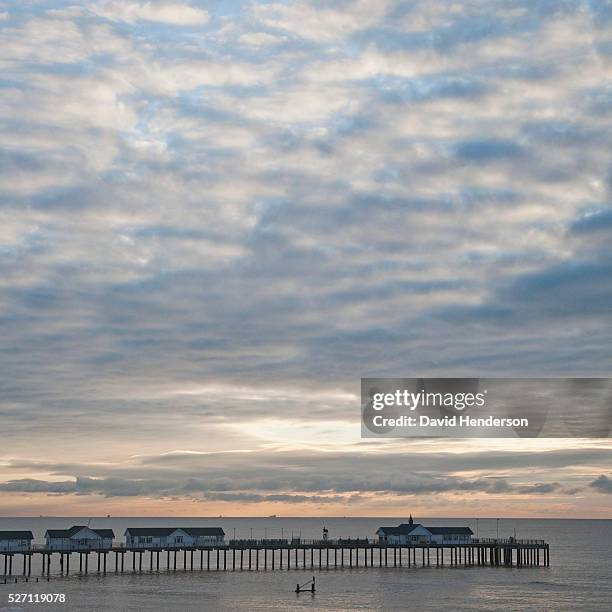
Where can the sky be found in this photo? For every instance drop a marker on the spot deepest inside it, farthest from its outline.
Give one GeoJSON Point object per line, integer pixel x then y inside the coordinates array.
{"type": "Point", "coordinates": [215, 217]}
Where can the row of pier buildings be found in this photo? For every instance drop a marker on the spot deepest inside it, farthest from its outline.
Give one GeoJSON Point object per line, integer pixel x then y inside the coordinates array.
{"type": "Point", "coordinates": [82, 537]}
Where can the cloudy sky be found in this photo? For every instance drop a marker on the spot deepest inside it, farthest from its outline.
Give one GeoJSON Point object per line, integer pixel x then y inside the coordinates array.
{"type": "Point", "coordinates": [216, 216]}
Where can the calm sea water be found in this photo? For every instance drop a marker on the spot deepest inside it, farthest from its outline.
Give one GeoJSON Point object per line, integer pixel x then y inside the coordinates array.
{"type": "Point", "coordinates": [578, 578]}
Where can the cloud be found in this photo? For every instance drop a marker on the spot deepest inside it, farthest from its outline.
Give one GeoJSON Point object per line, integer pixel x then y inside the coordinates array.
{"type": "Point", "coordinates": [593, 221]}
{"type": "Point", "coordinates": [540, 487]}
{"type": "Point", "coordinates": [487, 150]}
{"type": "Point", "coordinates": [328, 22]}
{"type": "Point", "coordinates": [602, 484]}
{"type": "Point", "coordinates": [171, 13]}
{"type": "Point", "coordinates": [245, 492]}
{"type": "Point", "coordinates": [310, 477]}
{"type": "Point", "coordinates": [249, 498]}
{"type": "Point", "coordinates": [259, 39]}
{"type": "Point", "coordinates": [37, 486]}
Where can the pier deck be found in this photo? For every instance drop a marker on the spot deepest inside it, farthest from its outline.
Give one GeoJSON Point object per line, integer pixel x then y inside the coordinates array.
{"type": "Point", "coordinates": [277, 555]}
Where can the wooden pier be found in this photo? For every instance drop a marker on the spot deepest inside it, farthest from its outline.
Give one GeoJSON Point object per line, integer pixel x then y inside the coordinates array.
{"type": "Point", "coordinates": [255, 555]}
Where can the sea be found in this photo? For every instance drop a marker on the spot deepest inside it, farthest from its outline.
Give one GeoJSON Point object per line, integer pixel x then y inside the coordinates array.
{"type": "Point", "coordinates": [579, 576]}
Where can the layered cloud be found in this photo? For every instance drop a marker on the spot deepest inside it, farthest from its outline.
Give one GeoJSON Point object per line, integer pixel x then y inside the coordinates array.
{"type": "Point", "coordinates": [211, 475]}
{"type": "Point", "coordinates": [222, 213]}
{"type": "Point", "coordinates": [170, 13]}
{"type": "Point", "coordinates": [319, 479]}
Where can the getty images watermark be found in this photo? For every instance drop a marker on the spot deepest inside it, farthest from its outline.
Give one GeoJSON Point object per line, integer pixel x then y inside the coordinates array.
{"type": "Point", "coordinates": [486, 407]}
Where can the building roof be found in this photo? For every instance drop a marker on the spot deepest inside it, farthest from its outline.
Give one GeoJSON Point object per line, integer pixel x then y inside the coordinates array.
{"type": "Point", "coordinates": [449, 530]}
{"type": "Point", "coordinates": [16, 535]}
{"type": "Point", "coordinates": [407, 528]}
{"type": "Point", "coordinates": [149, 531]}
{"type": "Point", "coordinates": [64, 533]}
{"type": "Point", "coordinates": [403, 529]}
{"type": "Point", "coordinates": [194, 532]}
{"type": "Point", "coordinates": [203, 531]}
{"type": "Point", "coordinates": [68, 533]}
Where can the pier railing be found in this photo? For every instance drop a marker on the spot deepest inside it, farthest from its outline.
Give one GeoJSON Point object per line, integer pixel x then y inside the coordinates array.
{"type": "Point", "coordinates": [294, 543]}
{"type": "Point", "coordinates": [507, 541]}
{"type": "Point", "coordinates": [302, 542]}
